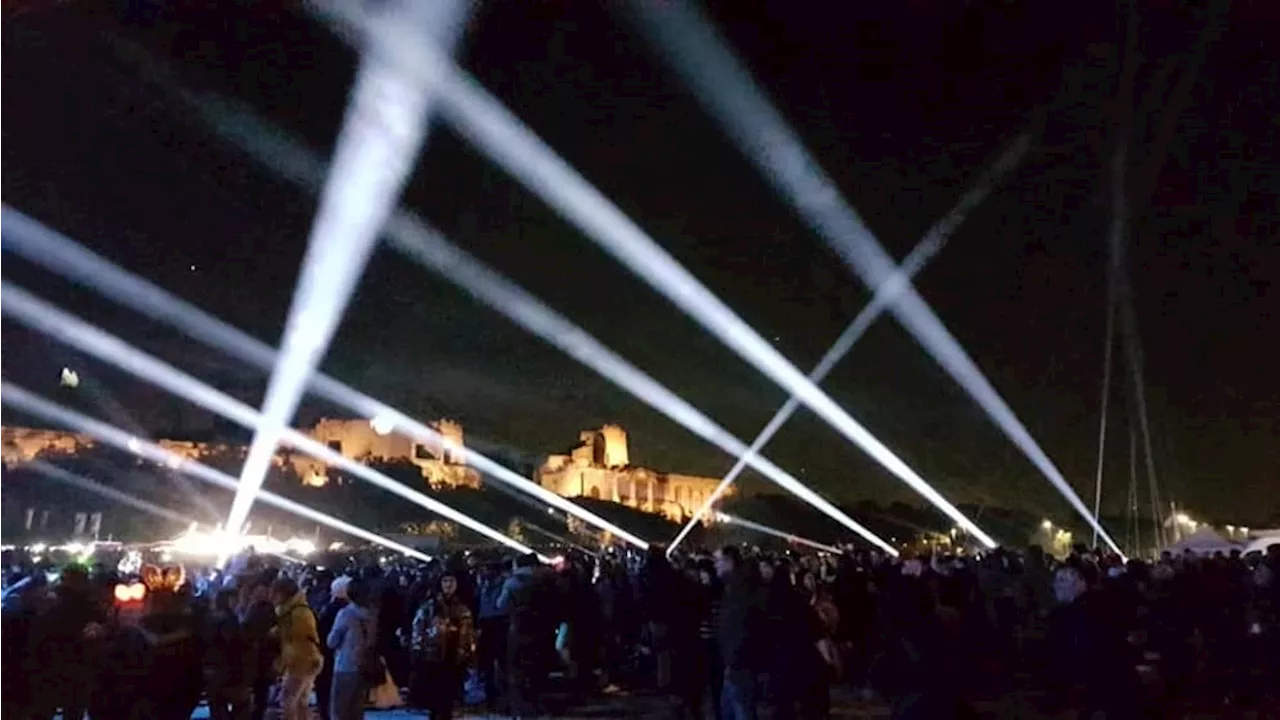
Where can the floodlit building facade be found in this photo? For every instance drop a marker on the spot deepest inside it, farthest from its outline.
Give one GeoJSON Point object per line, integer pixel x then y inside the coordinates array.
{"type": "Point", "coordinates": [598, 467]}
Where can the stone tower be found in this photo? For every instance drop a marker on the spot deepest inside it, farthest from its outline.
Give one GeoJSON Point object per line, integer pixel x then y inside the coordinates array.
{"type": "Point", "coordinates": [452, 450]}
{"type": "Point", "coordinates": [615, 446]}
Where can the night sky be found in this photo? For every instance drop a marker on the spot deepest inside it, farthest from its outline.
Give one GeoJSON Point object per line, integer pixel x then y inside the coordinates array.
{"type": "Point", "coordinates": [903, 103]}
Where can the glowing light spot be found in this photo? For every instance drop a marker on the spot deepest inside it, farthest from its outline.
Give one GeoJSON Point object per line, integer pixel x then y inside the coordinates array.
{"type": "Point", "coordinates": [383, 424]}
{"type": "Point", "coordinates": [130, 593]}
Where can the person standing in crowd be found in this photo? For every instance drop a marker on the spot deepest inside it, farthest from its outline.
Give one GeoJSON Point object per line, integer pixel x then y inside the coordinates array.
{"type": "Point", "coordinates": [65, 644]}
{"type": "Point", "coordinates": [300, 656]}
{"type": "Point", "coordinates": [530, 644]}
{"type": "Point", "coordinates": [660, 598]}
{"type": "Point", "coordinates": [491, 635]}
{"type": "Point", "coordinates": [228, 662]}
{"type": "Point", "coordinates": [328, 616]}
{"type": "Point", "coordinates": [804, 656]}
{"type": "Point", "coordinates": [386, 597]}
{"type": "Point", "coordinates": [353, 641]}
{"type": "Point", "coordinates": [172, 657]}
{"type": "Point", "coordinates": [258, 621]}
{"type": "Point", "coordinates": [442, 648]}
{"type": "Point", "coordinates": [739, 635]}
{"type": "Point", "coordinates": [1091, 665]}
{"type": "Point", "coordinates": [705, 662]}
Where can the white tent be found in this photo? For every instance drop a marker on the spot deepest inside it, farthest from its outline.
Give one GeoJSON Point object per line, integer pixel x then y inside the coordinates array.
{"type": "Point", "coordinates": [1262, 543]}
{"type": "Point", "coordinates": [1204, 541]}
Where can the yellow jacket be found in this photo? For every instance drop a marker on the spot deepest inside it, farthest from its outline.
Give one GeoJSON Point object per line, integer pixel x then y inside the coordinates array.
{"type": "Point", "coordinates": [299, 641]}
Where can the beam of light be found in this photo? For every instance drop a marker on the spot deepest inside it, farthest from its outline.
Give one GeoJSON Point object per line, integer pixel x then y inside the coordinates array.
{"type": "Point", "coordinates": [28, 402]}
{"type": "Point", "coordinates": [766, 530]}
{"type": "Point", "coordinates": [409, 235]}
{"type": "Point", "coordinates": [1133, 350]}
{"type": "Point", "coordinates": [60, 254]}
{"type": "Point", "coordinates": [80, 482]}
{"type": "Point", "coordinates": [924, 251]}
{"type": "Point", "coordinates": [293, 161]}
{"type": "Point", "coordinates": [1115, 242]}
{"type": "Point", "coordinates": [1117, 245]}
{"type": "Point", "coordinates": [43, 317]}
{"type": "Point", "coordinates": [107, 402]}
{"type": "Point", "coordinates": [725, 88]}
{"type": "Point", "coordinates": [384, 129]}
{"type": "Point", "coordinates": [412, 236]}
{"type": "Point", "coordinates": [559, 538]}
{"type": "Point", "coordinates": [476, 115]}
{"type": "Point", "coordinates": [481, 118]}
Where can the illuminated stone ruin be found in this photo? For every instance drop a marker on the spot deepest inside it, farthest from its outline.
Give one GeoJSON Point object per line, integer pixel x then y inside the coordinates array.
{"type": "Point", "coordinates": [599, 467]}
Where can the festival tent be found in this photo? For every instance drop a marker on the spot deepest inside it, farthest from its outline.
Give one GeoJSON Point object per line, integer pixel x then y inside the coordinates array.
{"type": "Point", "coordinates": [1262, 541]}
{"type": "Point", "coordinates": [1204, 541]}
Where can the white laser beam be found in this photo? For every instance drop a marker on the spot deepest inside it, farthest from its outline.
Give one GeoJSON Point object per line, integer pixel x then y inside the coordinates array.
{"type": "Point", "coordinates": [482, 119]}
{"type": "Point", "coordinates": [293, 161]}
{"type": "Point", "coordinates": [430, 248]}
{"type": "Point", "coordinates": [728, 92]}
{"type": "Point", "coordinates": [60, 254]}
{"type": "Point", "coordinates": [766, 530]}
{"type": "Point", "coordinates": [80, 482]}
{"type": "Point", "coordinates": [929, 246]}
{"type": "Point", "coordinates": [382, 134]}
{"type": "Point", "coordinates": [45, 318]}
{"type": "Point", "coordinates": [478, 116]}
{"type": "Point", "coordinates": [27, 401]}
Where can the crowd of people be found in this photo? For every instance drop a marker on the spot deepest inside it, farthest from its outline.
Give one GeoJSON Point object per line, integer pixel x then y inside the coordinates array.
{"type": "Point", "coordinates": [720, 635]}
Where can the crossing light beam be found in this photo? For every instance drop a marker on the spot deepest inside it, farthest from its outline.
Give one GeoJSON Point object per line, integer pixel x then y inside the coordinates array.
{"type": "Point", "coordinates": [726, 89]}
{"type": "Point", "coordinates": [384, 129]}
{"type": "Point", "coordinates": [22, 399]}
{"type": "Point", "coordinates": [60, 254]}
{"type": "Point", "coordinates": [45, 318]}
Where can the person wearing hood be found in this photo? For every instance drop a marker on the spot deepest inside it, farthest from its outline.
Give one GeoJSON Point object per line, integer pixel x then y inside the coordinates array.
{"type": "Point", "coordinates": [300, 656]}
{"type": "Point", "coordinates": [354, 633]}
